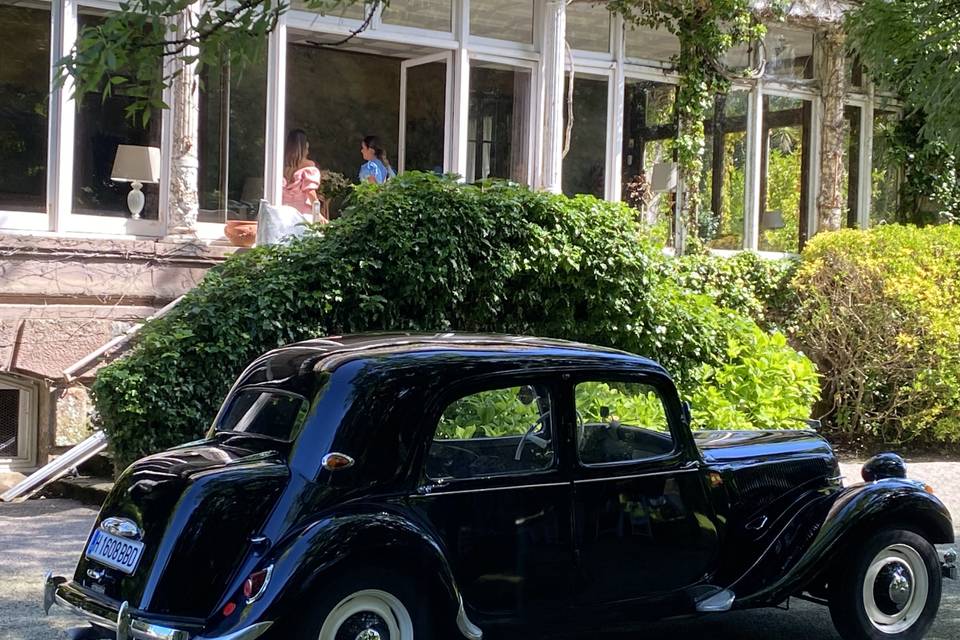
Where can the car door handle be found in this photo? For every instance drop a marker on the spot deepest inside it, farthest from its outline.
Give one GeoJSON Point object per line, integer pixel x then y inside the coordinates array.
{"type": "Point", "coordinates": [757, 523]}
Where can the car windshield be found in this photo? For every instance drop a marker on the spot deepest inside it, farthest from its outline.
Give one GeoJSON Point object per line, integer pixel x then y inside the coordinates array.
{"type": "Point", "coordinates": [266, 412]}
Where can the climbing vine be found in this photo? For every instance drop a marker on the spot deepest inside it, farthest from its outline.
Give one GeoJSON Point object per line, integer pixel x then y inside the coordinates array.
{"type": "Point", "coordinates": [707, 31]}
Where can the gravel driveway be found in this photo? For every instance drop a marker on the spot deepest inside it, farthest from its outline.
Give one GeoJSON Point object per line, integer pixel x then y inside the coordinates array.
{"type": "Point", "coordinates": [42, 535]}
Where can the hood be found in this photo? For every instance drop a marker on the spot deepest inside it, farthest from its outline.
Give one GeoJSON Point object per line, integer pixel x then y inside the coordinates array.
{"type": "Point", "coordinates": [740, 446]}
{"type": "Point", "coordinates": [195, 509]}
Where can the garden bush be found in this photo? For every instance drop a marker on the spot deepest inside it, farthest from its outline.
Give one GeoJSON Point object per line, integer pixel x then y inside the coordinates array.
{"type": "Point", "coordinates": [427, 253]}
{"type": "Point", "coordinates": [878, 316]}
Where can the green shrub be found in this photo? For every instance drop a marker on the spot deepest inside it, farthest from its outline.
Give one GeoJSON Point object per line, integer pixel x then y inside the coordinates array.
{"type": "Point", "coordinates": [428, 253]}
{"type": "Point", "coordinates": [879, 318]}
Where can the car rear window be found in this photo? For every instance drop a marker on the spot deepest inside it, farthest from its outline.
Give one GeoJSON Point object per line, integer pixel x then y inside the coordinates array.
{"type": "Point", "coordinates": [266, 412]}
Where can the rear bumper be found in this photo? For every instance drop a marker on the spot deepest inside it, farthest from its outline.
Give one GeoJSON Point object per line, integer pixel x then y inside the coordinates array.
{"type": "Point", "coordinates": [127, 624]}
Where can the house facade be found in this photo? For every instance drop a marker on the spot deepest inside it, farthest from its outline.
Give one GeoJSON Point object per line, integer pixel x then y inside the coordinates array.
{"type": "Point", "coordinates": [560, 96]}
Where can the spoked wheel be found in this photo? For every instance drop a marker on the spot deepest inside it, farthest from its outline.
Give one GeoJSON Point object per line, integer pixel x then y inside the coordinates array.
{"type": "Point", "coordinates": [370, 614]}
{"type": "Point", "coordinates": [364, 605]}
{"type": "Point", "coordinates": [889, 591]}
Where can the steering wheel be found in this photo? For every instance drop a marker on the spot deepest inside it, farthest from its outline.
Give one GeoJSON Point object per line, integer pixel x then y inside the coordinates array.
{"type": "Point", "coordinates": [528, 435]}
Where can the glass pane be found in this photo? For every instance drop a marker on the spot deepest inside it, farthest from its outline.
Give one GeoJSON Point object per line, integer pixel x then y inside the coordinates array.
{"type": "Point", "coordinates": [340, 97]}
{"type": "Point", "coordinates": [267, 413]}
{"type": "Point", "coordinates": [783, 174]}
{"type": "Point", "coordinates": [854, 71]}
{"type": "Point", "coordinates": [620, 422]}
{"type": "Point", "coordinates": [648, 129]}
{"type": "Point", "coordinates": [426, 114]}
{"type": "Point", "coordinates": [643, 43]}
{"type": "Point", "coordinates": [102, 125]}
{"type": "Point", "coordinates": [425, 14]}
{"type": "Point", "coordinates": [789, 53]}
{"type": "Point", "coordinates": [493, 432]}
{"type": "Point", "coordinates": [497, 135]}
{"type": "Point", "coordinates": [588, 27]}
{"type": "Point", "coordinates": [886, 174]}
{"type": "Point", "coordinates": [584, 167]}
{"type": "Point", "coordinates": [852, 118]}
{"type": "Point", "coordinates": [232, 130]}
{"type": "Point", "coordinates": [24, 86]}
{"type": "Point", "coordinates": [724, 172]}
{"type": "Point", "coordinates": [9, 422]}
{"type": "Point", "coordinates": [355, 11]}
{"type": "Point", "coordinates": [502, 19]}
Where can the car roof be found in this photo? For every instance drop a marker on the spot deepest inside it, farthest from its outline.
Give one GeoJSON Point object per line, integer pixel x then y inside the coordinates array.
{"type": "Point", "coordinates": [330, 353]}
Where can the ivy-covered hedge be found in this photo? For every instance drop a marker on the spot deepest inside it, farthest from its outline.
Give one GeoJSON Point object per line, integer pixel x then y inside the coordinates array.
{"type": "Point", "coordinates": [426, 253]}
{"type": "Point", "coordinates": [879, 317]}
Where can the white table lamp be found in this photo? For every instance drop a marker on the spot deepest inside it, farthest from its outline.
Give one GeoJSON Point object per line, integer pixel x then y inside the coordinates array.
{"type": "Point", "coordinates": [136, 165]}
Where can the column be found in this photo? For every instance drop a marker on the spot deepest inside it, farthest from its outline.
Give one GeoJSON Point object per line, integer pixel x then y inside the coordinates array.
{"type": "Point", "coordinates": [276, 113]}
{"type": "Point", "coordinates": [832, 75]}
{"type": "Point", "coordinates": [753, 180]}
{"type": "Point", "coordinates": [552, 63]}
{"type": "Point", "coordinates": [184, 203]}
{"type": "Point", "coordinates": [63, 111]}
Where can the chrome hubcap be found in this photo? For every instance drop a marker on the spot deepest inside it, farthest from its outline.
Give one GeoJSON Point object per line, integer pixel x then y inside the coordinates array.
{"type": "Point", "coordinates": [895, 589]}
{"type": "Point", "coordinates": [368, 615]}
{"type": "Point", "coordinates": [368, 634]}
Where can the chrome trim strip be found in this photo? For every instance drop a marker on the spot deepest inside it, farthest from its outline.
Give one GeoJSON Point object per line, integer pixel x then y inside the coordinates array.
{"type": "Point", "coordinates": [469, 630]}
{"type": "Point", "coordinates": [122, 527]}
{"type": "Point", "coordinates": [130, 627]}
{"type": "Point", "coordinates": [83, 613]}
{"type": "Point", "coordinates": [638, 475]}
{"type": "Point", "coordinates": [428, 490]}
{"type": "Point", "coordinates": [263, 587]}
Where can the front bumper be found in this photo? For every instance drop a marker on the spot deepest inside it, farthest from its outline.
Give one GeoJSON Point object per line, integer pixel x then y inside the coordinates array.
{"type": "Point", "coordinates": [949, 564]}
{"type": "Point", "coordinates": [126, 624]}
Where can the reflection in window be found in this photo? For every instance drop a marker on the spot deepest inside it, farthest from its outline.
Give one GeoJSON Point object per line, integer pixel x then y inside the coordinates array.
{"type": "Point", "coordinates": [497, 132]}
{"type": "Point", "coordinates": [784, 173]}
{"type": "Point", "coordinates": [102, 125]}
{"type": "Point", "coordinates": [338, 97]}
{"type": "Point", "coordinates": [724, 172]}
{"type": "Point", "coordinates": [849, 185]}
{"type": "Point", "coordinates": [584, 167]}
{"type": "Point", "coordinates": [789, 53]}
{"type": "Point", "coordinates": [424, 14]}
{"type": "Point", "coordinates": [644, 43]}
{"type": "Point", "coordinates": [24, 75]}
{"type": "Point", "coordinates": [648, 129]}
{"type": "Point", "coordinates": [588, 27]}
{"type": "Point", "coordinates": [232, 131]}
{"type": "Point", "coordinates": [620, 422]}
{"type": "Point", "coordinates": [502, 19]}
{"type": "Point", "coordinates": [352, 11]}
{"type": "Point", "coordinates": [425, 117]}
{"type": "Point", "coordinates": [887, 174]}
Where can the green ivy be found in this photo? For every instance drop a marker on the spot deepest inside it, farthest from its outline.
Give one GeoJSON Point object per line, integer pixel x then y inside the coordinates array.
{"type": "Point", "coordinates": [425, 253]}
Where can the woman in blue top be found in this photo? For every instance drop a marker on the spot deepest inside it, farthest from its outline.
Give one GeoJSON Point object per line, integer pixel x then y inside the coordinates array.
{"type": "Point", "coordinates": [377, 168]}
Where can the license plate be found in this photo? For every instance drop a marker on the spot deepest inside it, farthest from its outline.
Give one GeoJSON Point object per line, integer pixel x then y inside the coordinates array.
{"type": "Point", "coordinates": [114, 551]}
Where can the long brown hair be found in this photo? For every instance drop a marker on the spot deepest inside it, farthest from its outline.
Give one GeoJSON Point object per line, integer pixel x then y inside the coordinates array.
{"type": "Point", "coordinates": [294, 152]}
{"type": "Point", "coordinates": [373, 142]}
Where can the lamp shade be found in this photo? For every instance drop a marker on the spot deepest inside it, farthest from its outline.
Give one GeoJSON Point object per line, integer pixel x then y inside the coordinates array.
{"type": "Point", "coordinates": [663, 177]}
{"type": "Point", "coordinates": [136, 164]}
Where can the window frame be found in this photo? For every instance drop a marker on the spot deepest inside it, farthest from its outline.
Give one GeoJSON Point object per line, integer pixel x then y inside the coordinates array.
{"type": "Point", "coordinates": [26, 457]}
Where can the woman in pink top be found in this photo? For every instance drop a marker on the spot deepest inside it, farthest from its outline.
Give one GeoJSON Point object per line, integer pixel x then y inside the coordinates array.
{"type": "Point", "coordinates": [301, 177]}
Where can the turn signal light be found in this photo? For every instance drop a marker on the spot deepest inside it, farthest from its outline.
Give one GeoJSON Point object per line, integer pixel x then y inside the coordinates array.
{"type": "Point", "coordinates": [928, 488]}
{"type": "Point", "coordinates": [337, 461]}
{"type": "Point", "coordinates": [255, 584]}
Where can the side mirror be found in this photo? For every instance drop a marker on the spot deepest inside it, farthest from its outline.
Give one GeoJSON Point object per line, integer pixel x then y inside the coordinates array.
{"type": "Point", "coordinates": [604, 412]}
{"type": "Point", "coordinates": [526, 395]}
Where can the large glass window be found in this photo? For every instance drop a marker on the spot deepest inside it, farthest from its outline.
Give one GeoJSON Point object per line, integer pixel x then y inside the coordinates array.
{"type": "Point", "coordinates": [620, 422]}
{"type": "Point", "coordinates": [103, 125]}
{"type": "Point", "coordinates": [502, 19]}
{"type": "Point", "coordinates": [494, 432]}
{"type": "Point", "coordinates": [497, 133]}
{"type": "Point", "coordinates": [852, 124]}
{"type": "Point", "coordinates": [648, 128]}
{"type": "Point", "coordinates": [644, 43]}
{"type": "Point", "coordinates": [784, 173]}
{"type": "Point", "coordinates": [887, 174]}
{"type": "Point", "coordinates": [424, 133]}
{"type": "Point", "coordinates": [789, 53]}
{"type": "Point", "coordinates": [425, 14]}
{"type": "Point", "coordinates": [585, 165]}
{"type": "Point", "coordinates": [588, 27]}
{"type": "Point", "coordinates": [232, 132]}
{"type": "Point", "coordinates": [723, 180]}
{"type": "Point", "coordinates": [24, 87]}
{"type": "Point", "coordinates": [338, 97]}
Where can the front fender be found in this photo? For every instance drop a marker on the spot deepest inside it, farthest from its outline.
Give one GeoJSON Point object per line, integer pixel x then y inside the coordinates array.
{"type": "Point", "coordinates": [304, 562]}
{"type": "Point", "coordinates": [817, 534]}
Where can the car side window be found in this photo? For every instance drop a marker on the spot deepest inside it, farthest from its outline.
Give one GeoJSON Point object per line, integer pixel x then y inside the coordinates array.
{"type": "Point", "coordinates": [620, 422]}
{"type": "Point", "coordinates": [493, 432]}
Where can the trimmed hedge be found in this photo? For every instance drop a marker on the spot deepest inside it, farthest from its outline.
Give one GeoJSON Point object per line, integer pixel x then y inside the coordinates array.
{"type": "Point", "coordinates": [427, 253]}
{"type": "Point", "coordinates": [878, 316]}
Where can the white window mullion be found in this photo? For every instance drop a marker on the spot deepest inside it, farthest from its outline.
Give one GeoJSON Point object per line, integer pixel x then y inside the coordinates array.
{"type": "Point", "coordinates": [276, 108]}
{"type": "Point", "coordinates": [865, 195]}
{"type": "Point", "coordinates": [615, 115]}
{"type": "Point", "coordinates": [755, 142]}
{"type": "Point", "coordinates": [62, 117]}
{"type": "Point", "coordinates": [461, 92]}
{"type": "Point", "coordinates": [813, 188]}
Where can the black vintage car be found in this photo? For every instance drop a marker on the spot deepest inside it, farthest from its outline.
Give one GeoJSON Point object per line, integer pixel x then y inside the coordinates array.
{"type": "Point", "coordinates": [403, 486]}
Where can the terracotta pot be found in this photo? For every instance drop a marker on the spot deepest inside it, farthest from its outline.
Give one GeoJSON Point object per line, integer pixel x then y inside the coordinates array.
{"type": "Point", "coordinates": [241, 233]}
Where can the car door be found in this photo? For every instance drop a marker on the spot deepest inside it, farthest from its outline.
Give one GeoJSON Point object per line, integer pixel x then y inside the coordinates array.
{"type": "Point", "coordinates": [644, 529]}
{"type": "Point", "coordinates": [495, 491]}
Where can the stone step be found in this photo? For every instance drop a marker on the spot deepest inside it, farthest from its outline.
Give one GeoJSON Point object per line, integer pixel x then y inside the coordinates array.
{"type": "Point", "coordinates": [91, 490]}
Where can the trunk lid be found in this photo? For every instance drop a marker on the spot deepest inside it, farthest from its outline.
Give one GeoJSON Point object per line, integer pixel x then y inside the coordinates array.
{"type": "Point", "coordinates": [195, 509]}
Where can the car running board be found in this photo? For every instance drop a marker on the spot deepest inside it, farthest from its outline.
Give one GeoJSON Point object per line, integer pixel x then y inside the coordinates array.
{"type": "Point", "coordinates": [720, 600]}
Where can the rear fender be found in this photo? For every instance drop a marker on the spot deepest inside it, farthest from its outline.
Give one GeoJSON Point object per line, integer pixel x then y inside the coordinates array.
{"type": "Point", "coordinates": [817, 535]}
{"type": "Point", "coordinates": [325, 549]}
